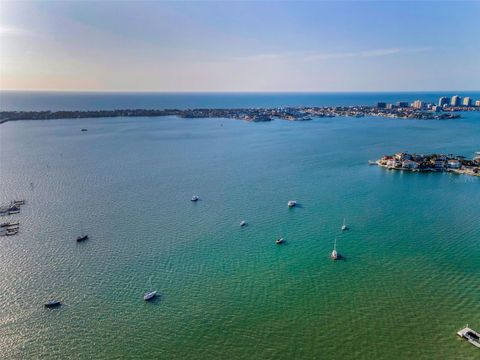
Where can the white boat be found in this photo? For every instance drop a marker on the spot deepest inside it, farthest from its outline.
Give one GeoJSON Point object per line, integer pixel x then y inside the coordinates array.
{"type": "Point", "coordinates": [334, 254]}
{"type": "Point", "coordinates": [279, 241]}
{"type": "Point", "coordinates": [194, 198]}
{"type": "Point", "coordinates": [472, 336]}
{"type": "Point", "coordinates": [344, 226]}
{"type": "Point", "coordinates": [291, 203]}
{"type": "Point", "coordinates": [243, 223]}
{"type": "Point", "coordinates": [149, 295]}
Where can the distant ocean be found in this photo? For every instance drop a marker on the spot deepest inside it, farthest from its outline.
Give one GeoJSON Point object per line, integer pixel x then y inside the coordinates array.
{"type": "Point", "coordinates": [15, 100]}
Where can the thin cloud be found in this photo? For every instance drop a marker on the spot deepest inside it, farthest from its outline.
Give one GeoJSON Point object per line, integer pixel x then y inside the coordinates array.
{"type": "Point", "coordinates": [317, 56]}
{"type": "Point", "coordinates": [12, 31]}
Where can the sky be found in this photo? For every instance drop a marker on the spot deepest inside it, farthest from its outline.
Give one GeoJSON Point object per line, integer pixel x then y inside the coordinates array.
{"type": "Point", "coordinates": [240, 45]}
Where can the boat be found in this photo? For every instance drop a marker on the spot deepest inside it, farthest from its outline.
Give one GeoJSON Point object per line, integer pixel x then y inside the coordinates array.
{"type": "Point", "coordinates": [18, 202]}
{"type": "Point", "coordinates": [52, 304]}
{"type": "Point", "coordinates": [84, 129]}
{"type": "Point", "coordinates": [334, 254]}
{"type": "Point", "coordinates": [243, 223]}
{"type": "Point", "coordinates": [194, 198]}
{"type": "Point", "coordinates": [472, 336]}
{"type": "Point", "coordinates": [149, 295]}
{"type": "Point", "coordinates": [371, 162]}
{"type": "Point", "coordinates": [291, 203]}
{"type": "Point", "coordinates": [9, 224]}
{"type": "Point", "coordinates": [279, 241]}
{"type": "Point", "coordinates": [82, 237]}
{"type": "Point", "coordinates": [344, 226]}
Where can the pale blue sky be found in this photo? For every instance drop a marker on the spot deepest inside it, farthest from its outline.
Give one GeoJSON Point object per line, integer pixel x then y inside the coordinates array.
{"type": "Point", "coordinates": [240, 46]}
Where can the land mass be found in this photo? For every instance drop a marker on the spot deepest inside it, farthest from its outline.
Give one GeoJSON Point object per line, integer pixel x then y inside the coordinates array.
{"type": "Point", "coordinates": [431, 162]}
{"type": "Point", "coordinates": [247, 114]}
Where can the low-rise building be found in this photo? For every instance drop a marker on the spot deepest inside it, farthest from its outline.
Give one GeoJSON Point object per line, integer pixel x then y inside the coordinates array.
{"type": "Point", "coordinates": [454, 164]}
{"type": "Point", "coordinates": [409, 164]}
{"type": "Point", "coordinates": [439, 164]}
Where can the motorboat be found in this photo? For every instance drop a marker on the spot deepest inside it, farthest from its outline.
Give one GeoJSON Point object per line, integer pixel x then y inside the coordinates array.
{"type": "Point", "coordinates": [53, 304]}
{"type": "Point", "coordinates": [82, 238]}
{"type": "Point", "coordinates": [243, 223]}
{"type": "Point", "coordinates": [279, 241]}
{"type": "Point", "coordinates": [291, 203]}
{"type": "Point", "coordinates": [344, 226]}
{"type": "Point", "coordinates": [194, 198]}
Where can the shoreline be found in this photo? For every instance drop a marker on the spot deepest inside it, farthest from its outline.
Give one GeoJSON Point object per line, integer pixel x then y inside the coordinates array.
{"type": "Point", "coordinates": [430, 163]}
{"type": "Point", "coordinates": [247, 114]}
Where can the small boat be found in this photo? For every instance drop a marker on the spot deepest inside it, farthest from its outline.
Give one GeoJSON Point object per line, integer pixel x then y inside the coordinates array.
{"type": "Point", "coordinates": [149, 295]}
{"type": "Point", "coordinates": [194, 198]}
{"type": "Point", "coordinates": [53, 304]}
{"type": "Point", "coordinates": [82, 238]}
{"type": "Point", "coordinates": [334, 254]}
{"type": "Point", "coordinates": [243, 223]}
{"type": "Point", "coordinates": [84, 129]}
{"type": "Point", "coordinates": [472, 336]}
{"type": "Point", "coordinates": [344, 226]}
{"type": "Point", "coordinates": [291, 203]}
{"type": "Point", "coordinates": [18, 202]}
{"type": "Point", "coordinates": [279, 241]}
{"type": "Point", "coordinates": [9, 224]}
{"type": "Point", "coordinates": [371, 162]}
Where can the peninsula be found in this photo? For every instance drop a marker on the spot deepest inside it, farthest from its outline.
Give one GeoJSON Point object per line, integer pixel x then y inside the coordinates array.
{"type": "Point", "coordinates": [255, 115]}
{"type": "Point", "coordinates": [445, 109]}
{"type": "Point", "coordinates": [431, 162]}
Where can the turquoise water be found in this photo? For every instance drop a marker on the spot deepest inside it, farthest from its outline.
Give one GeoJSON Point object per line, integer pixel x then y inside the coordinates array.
{"type": "Point", "coordinates": [409, 281]}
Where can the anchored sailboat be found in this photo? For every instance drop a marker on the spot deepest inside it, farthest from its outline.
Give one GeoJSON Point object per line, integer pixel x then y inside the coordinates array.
{"type": "Point", "coordinates": [334, 254]}
{"type": "Point", "coordinates": [149, 295]}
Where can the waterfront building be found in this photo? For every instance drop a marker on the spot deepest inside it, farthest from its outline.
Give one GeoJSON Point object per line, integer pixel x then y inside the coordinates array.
{"type": "Point", "coordinates": [402, 104]}
{"type": "Point", "coordinates": [455, 100]}
{"type": "Point", "coordinates": [381, 105]}
{"type": "Point", "coordinates": [436, 108]}
{"type": "Point", "coordinates": [467, 101]}
{"type": "Point", "coordinates": [439, 164]}
{"type": "Point", "coordinates": [390, 106]}
{"type": "Point", "coordinates": [477, 103]}
{"type": "Point", "coordinates": [443, 101]}
{"type": "Point", "coordinates": [409, 164]}
{"type": "Point", "coordinates": [417, 104]}
{"type": "Point", "coordinates": [454, 164]}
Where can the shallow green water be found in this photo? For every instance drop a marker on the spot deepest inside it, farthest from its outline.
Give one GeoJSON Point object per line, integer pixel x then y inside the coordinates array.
{"type": "Point", "coordinates": [409, 280]}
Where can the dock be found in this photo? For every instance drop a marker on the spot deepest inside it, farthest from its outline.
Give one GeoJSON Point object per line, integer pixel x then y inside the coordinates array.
{"type": "Point", "coordinates": [470, 335]}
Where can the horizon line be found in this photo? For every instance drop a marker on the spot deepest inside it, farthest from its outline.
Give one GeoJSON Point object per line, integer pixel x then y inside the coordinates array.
{"type": "Point", "coordinates": [231, 92]}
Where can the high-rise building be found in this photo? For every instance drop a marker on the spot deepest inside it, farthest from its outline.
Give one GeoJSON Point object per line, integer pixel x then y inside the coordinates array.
{"type": "Point", "coordinates": [455, 100]}
{"type": "Point", "coordinates": [477, 103]}
{"type": "Point", "coordinates": [443, 101]}
{"type": "Point", "coordinates": [417, 104]}
{"type": "Point", "coordinates": [381, 105]}
{"type": "Point", "coordinates": [402, 104]}
{"type": "Point", "coordinates": [467, 101]}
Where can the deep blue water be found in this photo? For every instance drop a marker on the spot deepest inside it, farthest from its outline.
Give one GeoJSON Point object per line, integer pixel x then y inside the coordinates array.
{"type": "Point", "coordinates": [14, 100]}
